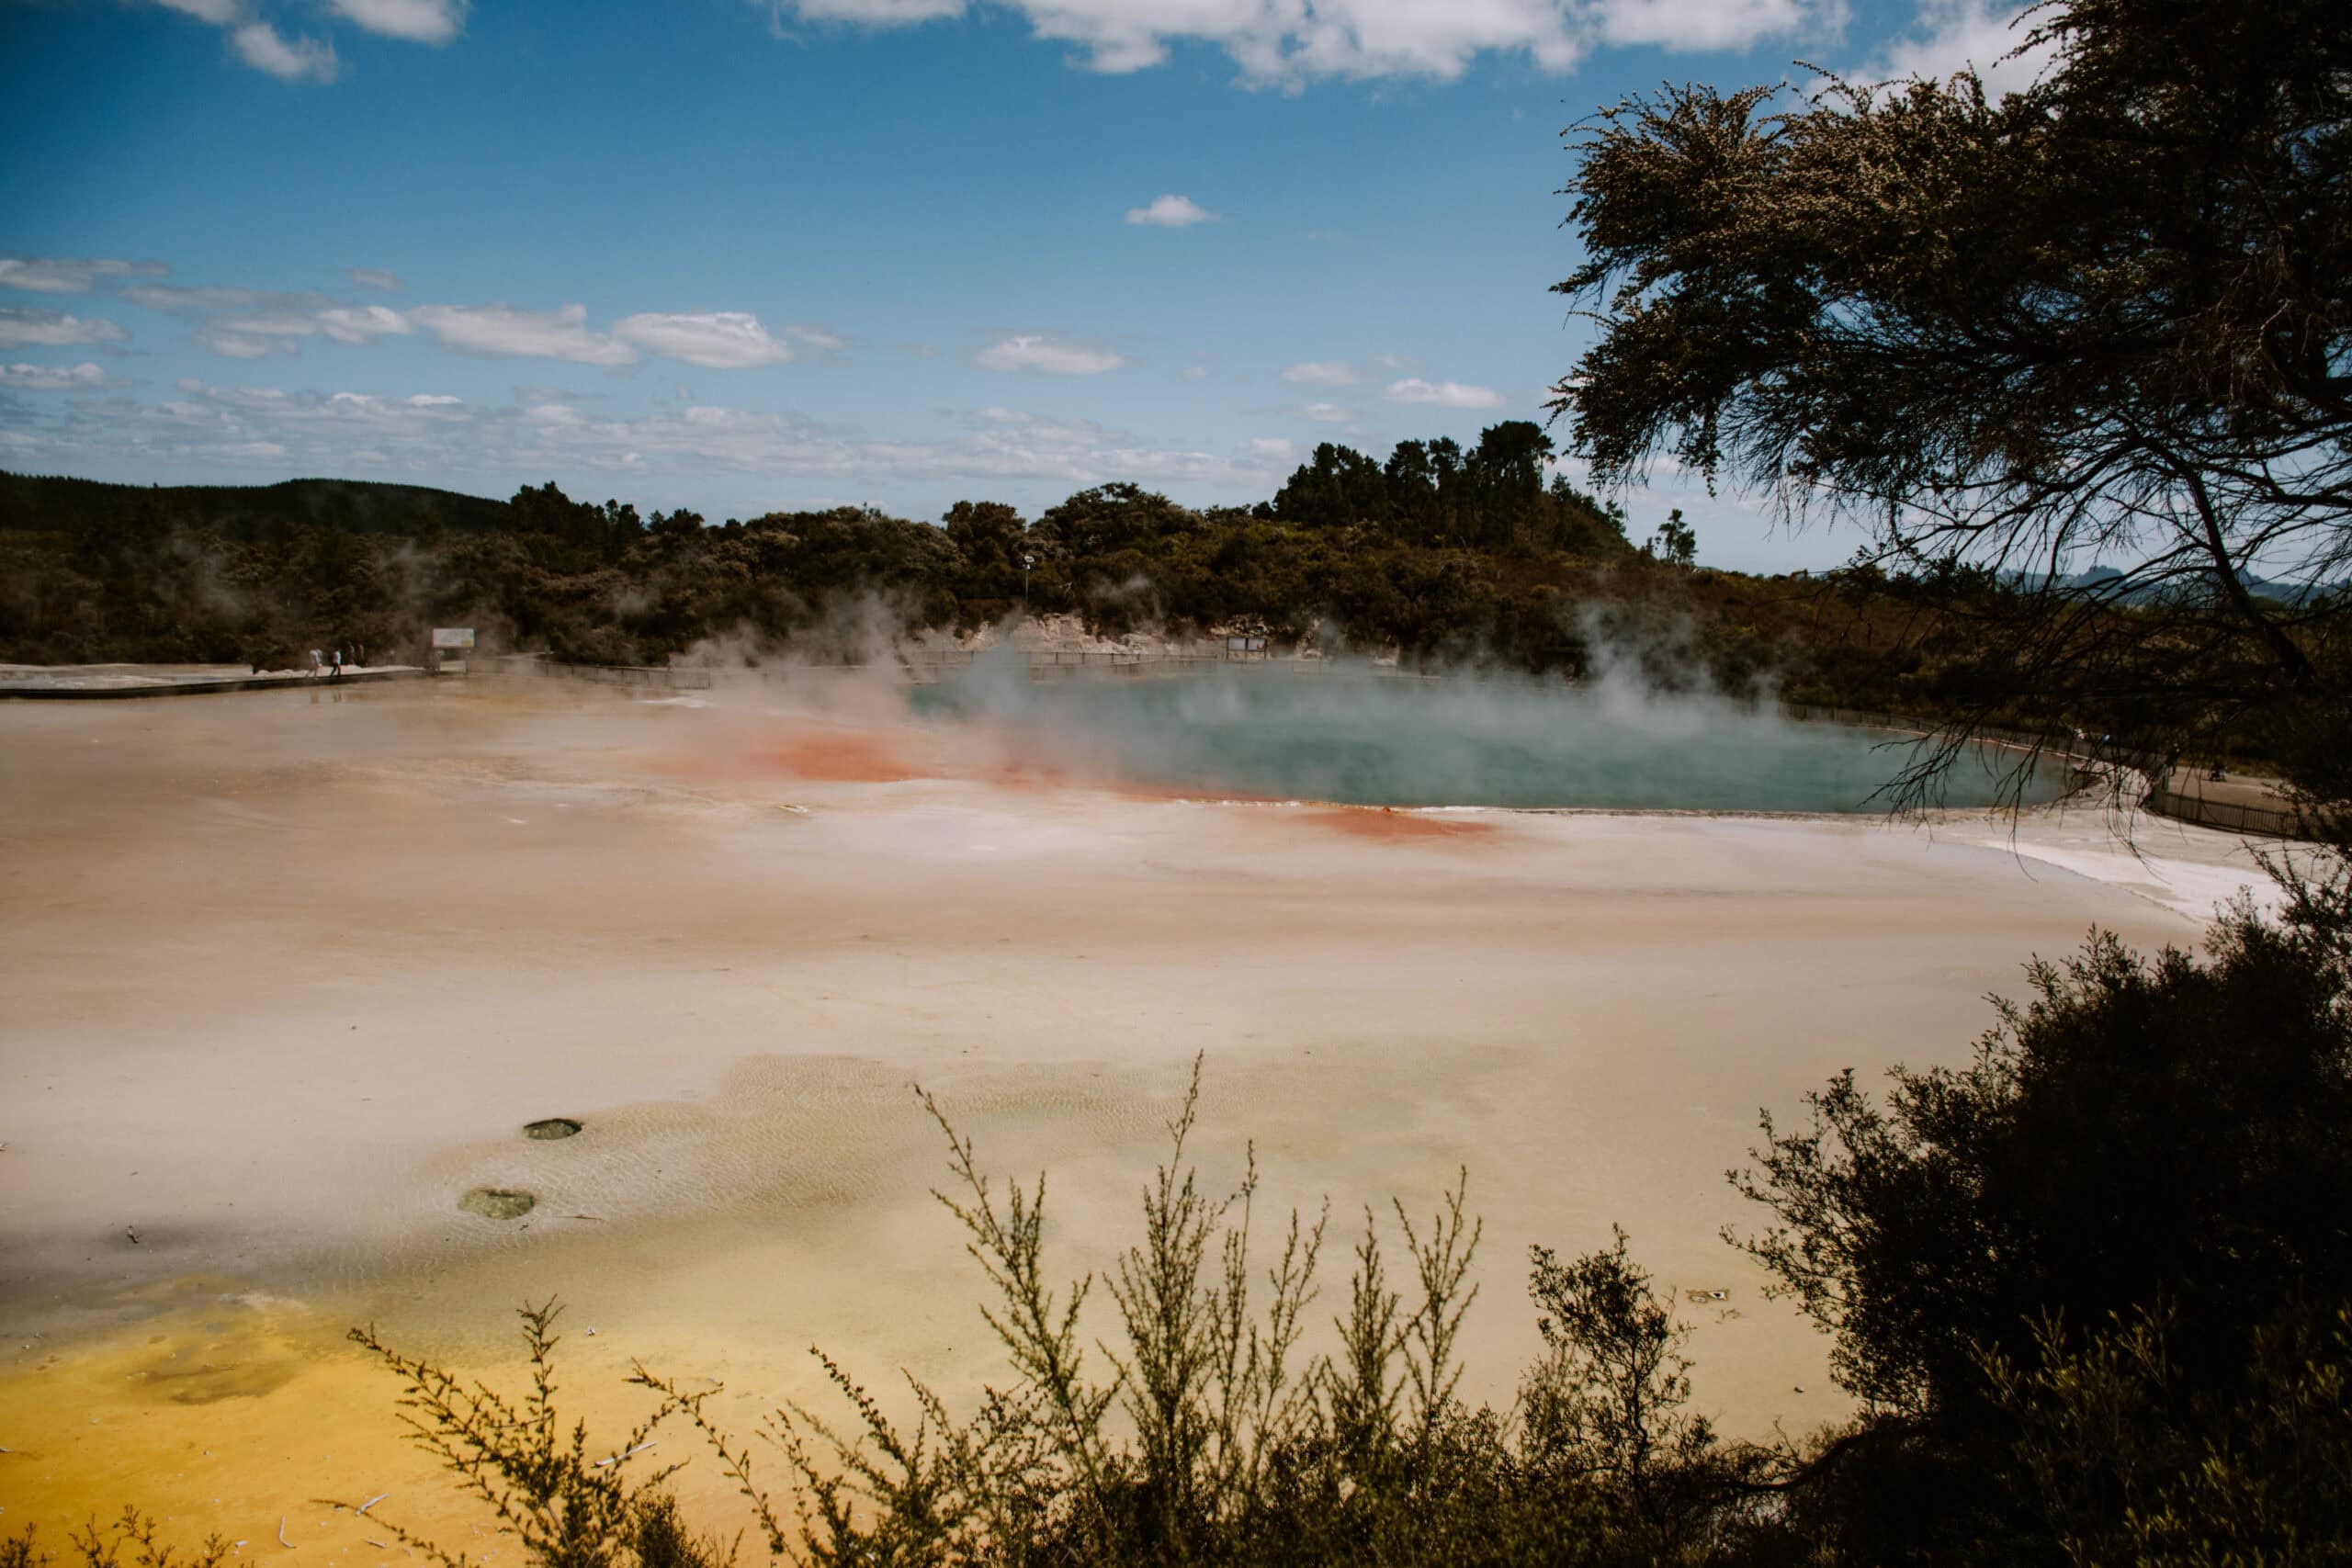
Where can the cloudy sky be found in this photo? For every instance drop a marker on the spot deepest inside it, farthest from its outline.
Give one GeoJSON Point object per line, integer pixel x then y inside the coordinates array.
{"type": "Point", "coordinates": [743, 254]}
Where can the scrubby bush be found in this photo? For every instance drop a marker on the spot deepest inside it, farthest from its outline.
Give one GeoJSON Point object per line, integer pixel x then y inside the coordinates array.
{"type": "Point", "coordinates": [2147, 1153]}
{"type": "Point", "coordinates": [130, 1541]}
{"type": "Point", "coordinates": [1199, 1431]}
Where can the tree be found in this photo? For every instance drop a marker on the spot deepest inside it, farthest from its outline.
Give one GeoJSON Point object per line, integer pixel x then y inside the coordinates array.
{"type": "Point", "coordinates": [681, 526]}
{"type": "Point", "coordinates": [1676, 543]}
{"type": "Point", "coordinates": [2118, 1462]}
{"type": "Point", "coordinates": [1108, 519]}
{"type": "Point", "coordinates": [2141, 1140]}
{"type": "Point", "coordinates": [985, 529]}
{"type": "Point", "coordinates": [623, 528]}
{"type": "Point", "coordinates": [2107, 317]}
{"type": "Point", "coordinates": [1449, 476]}
{"type": "Point", "coordinates": [1509, 469]}
{"type": "Point", "coordinates": [2139, 1131]}
{"type": "Point", "coordinates": [1612, 1388]}
{"type": "Point", "coordinates": [1412, 491]}
{"type": "Point", "coordinates": [1337, 487]}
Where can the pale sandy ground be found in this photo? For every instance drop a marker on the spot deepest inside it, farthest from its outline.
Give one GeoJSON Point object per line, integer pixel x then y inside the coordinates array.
{"type": "Point", "coordinates": [282, 975]}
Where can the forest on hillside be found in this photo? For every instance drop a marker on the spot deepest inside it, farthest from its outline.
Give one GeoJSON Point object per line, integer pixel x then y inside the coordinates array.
{"type": "Point", "coordinates": [1441, 554]}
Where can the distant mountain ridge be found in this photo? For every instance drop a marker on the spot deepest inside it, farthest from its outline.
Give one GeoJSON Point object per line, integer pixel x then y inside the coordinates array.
{"type": "Point", "coordinates": [38, 503]}
{"type": "Point", "coordinates": [2092, 577]}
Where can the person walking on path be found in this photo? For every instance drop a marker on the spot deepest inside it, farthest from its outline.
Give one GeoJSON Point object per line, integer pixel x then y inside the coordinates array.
{"type": "Point", "coordinates": [317, 663]}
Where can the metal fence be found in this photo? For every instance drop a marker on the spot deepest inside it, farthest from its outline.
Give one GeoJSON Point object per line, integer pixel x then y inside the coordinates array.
{"type": "Point", "coordinates": [654, 675]}
{"type": "Point", "coordinates": [2280, 821]}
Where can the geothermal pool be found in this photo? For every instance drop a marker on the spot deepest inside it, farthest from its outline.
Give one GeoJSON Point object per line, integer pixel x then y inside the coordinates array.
{"type": "Point", "coordinates": [1358, 738]}
{"type": "Point", "coordinates": [287, 979]}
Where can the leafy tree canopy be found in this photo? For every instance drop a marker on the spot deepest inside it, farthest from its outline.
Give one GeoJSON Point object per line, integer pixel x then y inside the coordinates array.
{"type": "Point", "coordinates": [2144, 1148]}
{"type": "Point", "coordinates": [1493, 497]}
{"type": "Point", "coordinates": [2108, 318]}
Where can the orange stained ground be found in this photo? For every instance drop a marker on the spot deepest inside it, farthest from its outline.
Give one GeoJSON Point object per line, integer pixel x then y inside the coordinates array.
{"type": "Point", "coordinates": [1383, 824]}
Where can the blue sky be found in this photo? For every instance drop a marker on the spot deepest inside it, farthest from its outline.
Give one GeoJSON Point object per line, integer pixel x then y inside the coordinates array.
{"type": "Point", "coordinates": [747, 254]}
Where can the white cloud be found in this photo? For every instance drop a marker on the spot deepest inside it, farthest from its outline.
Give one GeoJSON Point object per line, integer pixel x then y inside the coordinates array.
{"type": "Point", "coordinates": [52, 378]}
{"type": "Point", "coordinates": [362, 323]}
{"type": "Point", "coordinates": [20, 329]}
{"type": "Point", "coordinates": [1444, 394]}
{"type": "Point", "coordinates": [241, 452]}
{"type": "Point", "coordinates": [245, 323]}
{"type": "Point", "coordinates": [1340, 419]}
{"type": "Point", "coordinates": [1194, 373]}
{"type": "Point", "coordinates": [259, 44]}
{"type": "Point", "coordinates": [721, 340]}
{"type": "Point", "coordinates": [816, 335]}
{"type": "Point", "coordinates": [419, 21]}
{"type": "Point", "coordinates": [61, 274]}
{"type": "Point", "coordinates": [1949, 35]}
{"type": "Point", "coordinates": [1037, 430]}
{"type": "Point", "coordinates": [541, 334]}
{"type": "Point", "coordinates": [1397, 362]}
{"type": "Point", "coordinates": [308, 421]}
{"type": "Point", "coordinates": [237, 345]}
{"type": "Point", "coordinates": [434, 436]}
{"type": "Point", "coordinates": [1048, 354]}
{"type": "Point", "coordinates": [262, 47]}
{"type": "Point", "coordinates": [219, 13]}
{"type": "Point", "coordinates": [1321, 373]}
{"type": "Point", "coordinates": [1269, 449]}
{"type": "Point", "coordinates": [1287, 41]}
{"type": "Point", "coordinates": [178, 296]}
{"type": "Point", "coordinates": [250, 335]}
{"type": "Point", "coordinates": [1693, 25]}
{"type": "Point", "coordinates": [1171, 212]}
{"type": "Point", "coordinates": [376, 278]}
{"type": "Point", "coordinates": [871, 13]}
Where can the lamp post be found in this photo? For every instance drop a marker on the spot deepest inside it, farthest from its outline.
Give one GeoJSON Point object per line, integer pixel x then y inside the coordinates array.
{"type": "Point", "coordinates": [1026, 562]}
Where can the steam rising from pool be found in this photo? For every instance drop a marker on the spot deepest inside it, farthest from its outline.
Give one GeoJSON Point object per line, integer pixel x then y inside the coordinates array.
{"type": "Point", "coordinates": [1352, 736]}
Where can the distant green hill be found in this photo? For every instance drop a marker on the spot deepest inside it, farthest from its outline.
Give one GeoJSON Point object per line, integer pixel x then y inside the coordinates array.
{"type": "Point", "coordinates": [2154, 592]}
{"type": "Point", "coordinates": [50, 505]}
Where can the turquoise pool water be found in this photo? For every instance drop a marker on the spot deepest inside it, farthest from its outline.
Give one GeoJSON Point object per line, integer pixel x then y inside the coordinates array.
{"type": "Point", "coordinates": [1365, 739]}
